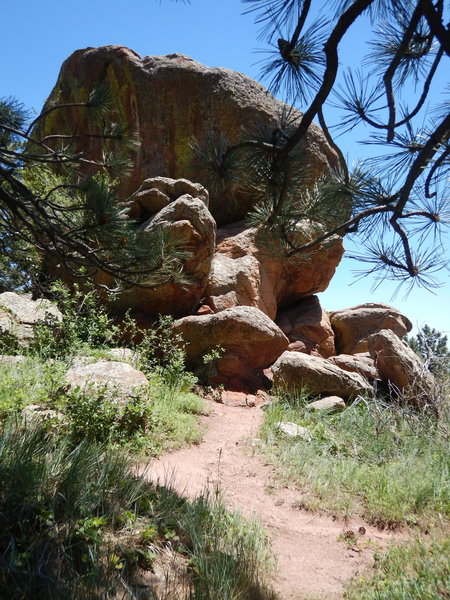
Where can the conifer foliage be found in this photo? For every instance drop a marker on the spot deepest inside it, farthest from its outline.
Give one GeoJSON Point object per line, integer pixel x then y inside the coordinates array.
{"type": "Point", "coordinates": [396, 203]}
{"type": "Point", "coordinates": [56, 200]}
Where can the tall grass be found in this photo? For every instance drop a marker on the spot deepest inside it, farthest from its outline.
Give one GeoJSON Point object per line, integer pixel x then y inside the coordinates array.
{"type": "Point", "coordinates": [388, 462]}
{"type": "Point", "coordinates": [77, 523]}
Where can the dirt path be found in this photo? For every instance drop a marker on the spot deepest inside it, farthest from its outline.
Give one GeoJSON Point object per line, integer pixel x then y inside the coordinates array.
{"type": "Point", "coordinates": [312, 562]}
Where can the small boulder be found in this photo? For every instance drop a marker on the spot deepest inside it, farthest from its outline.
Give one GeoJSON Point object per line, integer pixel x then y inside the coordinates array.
{"type": "Point", "coordinates": [328, 404]}
{"type": "Point", "coordinates": [306, 324]}
{"type": "Point", "coordinates": [117, 375]}
{"type": "Point", "coordinates": [353, 326]}
{"type": "Point", "coordinates": [158, 192]}
{"type": "Point", "coordinates": [19, 314]}
{"type": "Point", "coordinates": [361, 363]}
{"type": "Point", "coordinates": [317, 375]}
{"type": "Point", "coordinates": [398, 364]}
{"type": "Point", "coordinates": [294, 430]}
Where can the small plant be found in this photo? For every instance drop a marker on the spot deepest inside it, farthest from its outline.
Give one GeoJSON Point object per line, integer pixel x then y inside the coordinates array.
{"type": "Point", "coordinates": [162, 351]}
{"type": "Point", "coordinates": [98, 413]}
{"type": "Point", "coordinates": [85, 322]}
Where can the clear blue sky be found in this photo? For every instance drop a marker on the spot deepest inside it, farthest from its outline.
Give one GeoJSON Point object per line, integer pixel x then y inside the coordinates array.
{"type": "Point", "coordinates": [37, 35]}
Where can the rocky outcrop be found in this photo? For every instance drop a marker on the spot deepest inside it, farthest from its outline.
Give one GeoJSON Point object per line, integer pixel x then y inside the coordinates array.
{"type": "Point", "coordinates": [172, 103]}
{"type": "Point", "coordinates": [295, 370]}
{"type": "Point", "coordinates": [246, 271]}
{"type": "Point", "coordinates": [246, 339]}
{"type": "Point", "coordinates": [19, 314]}
{"type": "Point", "coordinates": [353, 326]}
{"type": "Point", "coordinates": [400, 366]}
{"type": "Point", "coordinates": [307, 327]}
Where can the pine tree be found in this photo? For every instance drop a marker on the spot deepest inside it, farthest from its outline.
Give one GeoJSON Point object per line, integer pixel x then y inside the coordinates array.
{"type": "Point", "coordinates": [431, 345]}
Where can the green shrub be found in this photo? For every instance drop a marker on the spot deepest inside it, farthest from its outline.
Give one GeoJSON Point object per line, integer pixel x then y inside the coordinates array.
{"type": "Point", "coordinates": [162, 351]}
{"type": "Point", "coordinates": [85, 323]}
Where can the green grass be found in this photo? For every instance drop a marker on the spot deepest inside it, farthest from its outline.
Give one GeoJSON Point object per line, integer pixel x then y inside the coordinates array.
{"type": "Point", "coordinates": [77, 524]}
{"type": "Point", "coordinates": [32, 381]}
{"type": "Point", "coordinates": [388, 463]}
{"type": "Point", "coordinates": [162, 417]}
{"type": "Point", "coordinates": [414, 571]}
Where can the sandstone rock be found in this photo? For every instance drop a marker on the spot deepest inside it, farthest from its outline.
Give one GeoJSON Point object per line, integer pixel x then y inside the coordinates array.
{"type": "Point", "coordinates": [306, 322]}
{"type": "Point", "coordinates": [361, 363]}
{"type": "Point", "coordinates": [11, 361]}
{"type": "Point", "coordinates": [317, 375]}
{"type": "Point", "coordinates": [353, 326]}
{"type": "Point", "coordinates": [294, 430]}
{"type": "Point", "coordinates": [189, 220]}
{"type": "Point", "coordinates": [328, 404]}
{"type": "Point", "coordinates": [114, 374]}
{"type": "Point", "coordinates": [169, 102]}
{"type": "Point", "coordinates": [245, 273]}
{"type": "Point", "coordinates": [35, 413]}
{"type": "Point", "coordinates": [19, 313]}
{"type": "Point", "coordinates": [158, 192]}
{"type": "Point", "coordinates": [249, 339]}
{"type": "Point", "coordinates": [398, 364]}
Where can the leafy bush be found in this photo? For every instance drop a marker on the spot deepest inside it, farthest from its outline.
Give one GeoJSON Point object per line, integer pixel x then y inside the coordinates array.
{"type": "Point", "coordinates": [85, 323]}
{"type": "Point", "coordinates": [162, 351]}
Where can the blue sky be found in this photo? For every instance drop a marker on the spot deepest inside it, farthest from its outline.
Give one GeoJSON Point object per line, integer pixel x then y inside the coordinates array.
{"type": "Point", "coordinates": [37, 35]}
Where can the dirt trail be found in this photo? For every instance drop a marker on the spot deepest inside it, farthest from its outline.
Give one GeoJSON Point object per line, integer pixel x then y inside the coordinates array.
{"type": "Point", "coordinates": [312, 562]}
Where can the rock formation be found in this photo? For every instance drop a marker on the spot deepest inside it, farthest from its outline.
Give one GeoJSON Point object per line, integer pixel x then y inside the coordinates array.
{"type": "Point", "coordinates": [172, 103]}
{"type": "Point", "coordinates": [241, 303]}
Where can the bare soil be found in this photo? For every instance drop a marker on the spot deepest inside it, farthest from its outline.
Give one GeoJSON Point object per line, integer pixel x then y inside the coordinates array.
{"type": "Point", "coordinates": [315, 554]}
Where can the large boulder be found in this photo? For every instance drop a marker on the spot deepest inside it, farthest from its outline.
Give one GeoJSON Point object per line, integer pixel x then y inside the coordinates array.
{"type": "Point", "coordinates": [307, 327]}
{"type": "Point", "coordinates": [399, 365]}
{"type": "Point", "coordinates": [354, 325]}
{"type": "Point", "coordinates": [172, 103]}
{"type": "Point", "coordinates": [296, 370]}
{"type": "Point", "coordinates": [19, 314]}
{"type": "Point", "coordinates": [248, 341]}
{"type": "Point", "coordinates": [244, 272]}
{"type": "Point", "coordinates": [189, 221]}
